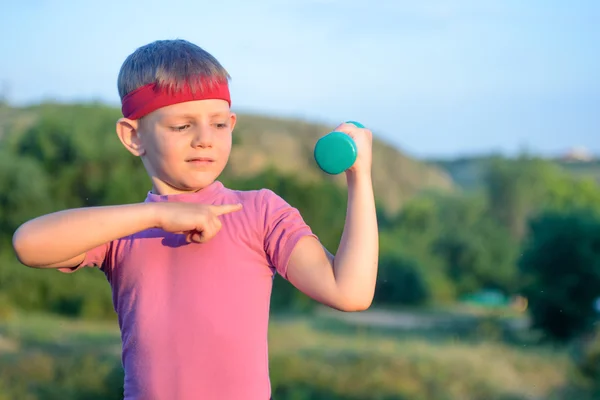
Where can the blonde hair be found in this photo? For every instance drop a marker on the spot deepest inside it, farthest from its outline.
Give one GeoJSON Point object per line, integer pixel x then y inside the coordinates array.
{"type": "Point", "coordinates": [171, 64]}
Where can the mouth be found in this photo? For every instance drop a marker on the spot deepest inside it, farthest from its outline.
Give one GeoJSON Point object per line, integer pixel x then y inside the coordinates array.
{"type": "Point", "coordinates": [200, 161]}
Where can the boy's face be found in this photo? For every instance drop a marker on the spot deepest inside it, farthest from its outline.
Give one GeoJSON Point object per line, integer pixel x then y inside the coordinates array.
{"type": "Point", "coordinates": [186, 146]}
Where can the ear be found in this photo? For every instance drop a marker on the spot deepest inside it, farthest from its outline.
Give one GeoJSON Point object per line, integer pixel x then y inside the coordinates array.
{"type": "Point", "coordinates": [127, 130]}
{"type": "Point", "coordinates": [232, 120]}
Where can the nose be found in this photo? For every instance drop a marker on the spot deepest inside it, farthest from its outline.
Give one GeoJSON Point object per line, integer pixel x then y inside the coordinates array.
{"type": "Point", "coordinates": [202, 137]}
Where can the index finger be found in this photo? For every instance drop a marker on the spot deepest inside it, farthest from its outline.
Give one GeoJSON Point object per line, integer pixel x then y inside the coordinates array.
{"type": "Point", "coordinates": [226, 208]}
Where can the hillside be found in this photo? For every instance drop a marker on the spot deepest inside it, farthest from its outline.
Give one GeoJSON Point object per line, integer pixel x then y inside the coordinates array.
{"type": "Point", "coordinates": [468, 172]}
{"type": "Point", "coordinates": [287, 146]}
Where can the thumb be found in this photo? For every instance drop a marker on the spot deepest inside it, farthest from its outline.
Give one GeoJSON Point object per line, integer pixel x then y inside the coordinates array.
{"type": "Point", "coordinates": [226, 208]}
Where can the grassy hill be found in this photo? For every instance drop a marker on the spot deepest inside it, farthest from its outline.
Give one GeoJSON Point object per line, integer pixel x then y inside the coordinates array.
{"type": "Point", "coordinates": [285, 145]}
{"type": "Point", "coordinates": [468, 172]}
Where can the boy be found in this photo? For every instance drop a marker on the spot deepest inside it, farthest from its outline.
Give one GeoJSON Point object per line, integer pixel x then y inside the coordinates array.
{"type": "Point", "coordinates": [191, 267]}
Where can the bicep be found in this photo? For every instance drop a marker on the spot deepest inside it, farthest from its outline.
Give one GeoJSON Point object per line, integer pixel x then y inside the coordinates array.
{"type": "Point", "coordinates": [310, 270]}
{"type": "Point", "coordinates": [70, 263]}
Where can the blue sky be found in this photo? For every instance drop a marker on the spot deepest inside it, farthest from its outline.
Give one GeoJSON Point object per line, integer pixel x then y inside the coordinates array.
{"type": "Point", "coordinates": [434, 78]}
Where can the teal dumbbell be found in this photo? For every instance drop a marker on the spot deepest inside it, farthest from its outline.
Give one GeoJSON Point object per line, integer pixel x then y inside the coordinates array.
{"type": "Point", "coordinates": [336, 151]}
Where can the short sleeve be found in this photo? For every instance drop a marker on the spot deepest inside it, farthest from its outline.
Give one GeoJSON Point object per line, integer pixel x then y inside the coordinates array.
{"type": "Point", "coordinates": [93, 258]}
{"type": "Point", "coordinates": [284, 227]}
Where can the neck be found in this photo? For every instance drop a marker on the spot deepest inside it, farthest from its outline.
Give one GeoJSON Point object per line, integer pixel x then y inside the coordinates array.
{"type": "Point", "coordinates": [164, 189]}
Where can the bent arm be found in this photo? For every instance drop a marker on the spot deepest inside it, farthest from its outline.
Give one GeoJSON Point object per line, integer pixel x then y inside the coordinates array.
{"type": "Point", "coordinates": [346, 281]}
{"type": "Point", "coordinates": [61, 239]}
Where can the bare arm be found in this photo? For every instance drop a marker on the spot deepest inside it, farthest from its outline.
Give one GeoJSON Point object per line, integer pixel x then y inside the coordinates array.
{"type": "Point", "coordinates": [346, 282]}
{"type": "Point", "coordinates": [61, 239]}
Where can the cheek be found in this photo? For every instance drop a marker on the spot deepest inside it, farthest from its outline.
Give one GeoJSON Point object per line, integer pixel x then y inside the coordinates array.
{"type": "Point", "coordinates": [225, 143]}
{"type": "Point", "coordinates": [168, 148]}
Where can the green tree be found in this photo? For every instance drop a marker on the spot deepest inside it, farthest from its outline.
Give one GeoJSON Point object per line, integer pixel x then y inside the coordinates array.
{"type": "Point", "coordinates": [516, 189]}
{"type": "Point", "coordinates": [560, 269]}
{"type": "Point", "coordinates": [77, 146]}
{"type": "Point", "coordinates": [476, 250]}
{"type": "Point", "coordinates": [400, 281]}
{"type": "Point", "coordinates": [566, 192]}
{"type": "Point", "coordinates": [24, 193]}
{"type": "Point", "coordinates": [406, 248]}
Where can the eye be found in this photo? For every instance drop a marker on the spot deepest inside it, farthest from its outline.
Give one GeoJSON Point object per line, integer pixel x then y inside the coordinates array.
{"type": "Point", "coordinates": [180, 128]}
{"type": "Point", "coordinates": [222, 126]}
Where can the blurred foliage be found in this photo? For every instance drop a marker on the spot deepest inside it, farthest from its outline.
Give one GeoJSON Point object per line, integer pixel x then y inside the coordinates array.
{"type": "Point", "coordinates": [439, 247]}
{"type": "Point", "coordinates": [400, 281]}
{"type": "Point", "coordinates": [469, 172]}
{"type": "Point", "coordinates": [529, 227]}
{"type": "Point", "coordinates": [561, 273]}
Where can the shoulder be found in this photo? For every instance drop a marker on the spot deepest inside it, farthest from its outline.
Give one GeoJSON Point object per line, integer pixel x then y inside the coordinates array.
{"type": "Point", "coordinates": [263, 206]}
{"type": "Point", "coordinates": [259, 200]}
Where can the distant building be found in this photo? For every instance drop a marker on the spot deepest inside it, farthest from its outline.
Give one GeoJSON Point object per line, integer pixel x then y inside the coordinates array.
{"type": "Point", "coordinates": [578, 154]}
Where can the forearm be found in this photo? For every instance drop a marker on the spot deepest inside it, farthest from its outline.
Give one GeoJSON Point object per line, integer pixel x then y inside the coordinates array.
{"type": "Point", "coordinates": [356, 261]}
{"type": "Point", "coordinates": [61, 236]}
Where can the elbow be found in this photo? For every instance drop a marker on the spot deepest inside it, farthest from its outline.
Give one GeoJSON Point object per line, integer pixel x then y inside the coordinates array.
{"type": "Point", "coordinates": [355, 305]}
{"type": "Point", "coordinates": [355, 299]}
{"type": "Point", "coordinates": [19, 244]}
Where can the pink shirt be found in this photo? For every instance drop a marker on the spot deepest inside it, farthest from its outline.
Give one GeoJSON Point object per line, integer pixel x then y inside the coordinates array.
{"type": "Point", "coordinates": [194, 317]}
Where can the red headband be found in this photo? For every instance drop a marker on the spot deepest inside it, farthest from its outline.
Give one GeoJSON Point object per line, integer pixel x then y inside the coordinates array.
{"type": "Point", "coordinates": [148, 98]}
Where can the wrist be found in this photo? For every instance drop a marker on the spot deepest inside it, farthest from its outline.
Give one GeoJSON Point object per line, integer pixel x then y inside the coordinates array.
{"type": "Point", "coordinates": [358, 177]}
{"type": "Point", "coordinates": [152, 214]}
